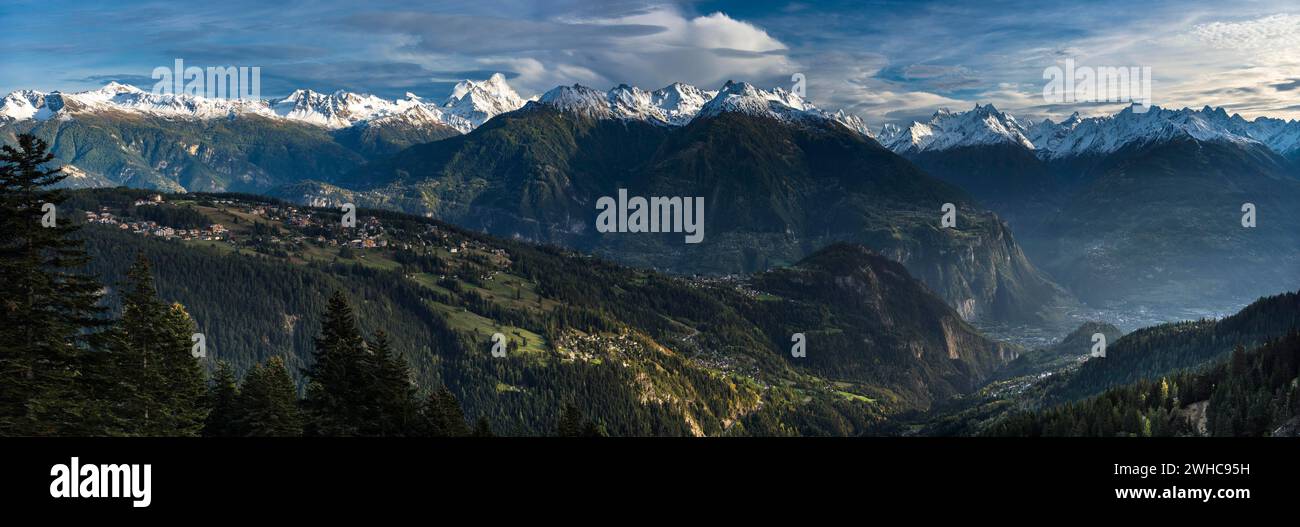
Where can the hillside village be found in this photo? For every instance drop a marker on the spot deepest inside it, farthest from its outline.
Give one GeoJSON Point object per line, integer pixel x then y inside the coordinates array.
{"type": "Point", "coordinates": [368, 233]}
{"type": "Point", "coordinates": [288, 231]}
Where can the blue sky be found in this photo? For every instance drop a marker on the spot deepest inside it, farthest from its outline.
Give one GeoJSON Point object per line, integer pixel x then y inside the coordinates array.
{"type": "Point", "coordinates": [886, 61]}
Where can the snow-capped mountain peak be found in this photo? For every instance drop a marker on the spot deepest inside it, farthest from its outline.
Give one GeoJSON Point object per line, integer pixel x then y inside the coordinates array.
{"type": "Point", "coordinates": [743, 97]}
{"type": "Point", "coordinates": [673, 105]}
{"type": "Point", "coordinates": [495, 87]}
{"type": "Point", "coordinates": [853, 122]}
{"type": "Point", "coordinates": [1080, 136]}
{"type": "Point", "coordinates": [472, 103]}
{"type": "Point", "coordinates": [888, 133]}
{"type": "Point", "coordinates": [1104, 135]}
{"type": "Point", "coordinates": [899, 139]}
{"type": "Point", "coordinates": [778, 104]}
{"type": "Point", "coordinates": [335, 110]}
{"type": "Point", "coordinates": [680, 102]}
{"type": "Point", "coordinates": [982, 125]}
{"type": "Point", "coordinates": [113, 89]}
{"type": "Point", "coordinates": [23, 105]}
{"type": "Point", "coordinates": [578, 99]}
{"type": "Point", "coordinates": [1047, 135]}
{"type": "Point", "coordinates": [630, 102]}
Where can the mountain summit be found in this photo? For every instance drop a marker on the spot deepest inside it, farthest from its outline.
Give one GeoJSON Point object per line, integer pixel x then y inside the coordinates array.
{"type": "Point", "coordinates": [984, 125]}
{"type": "Point", "coordinates": [1076, 136]}
{"type": "Point", "coordinates": [679, 104]}
{"type": "Point", "coordinates": [470, 104]}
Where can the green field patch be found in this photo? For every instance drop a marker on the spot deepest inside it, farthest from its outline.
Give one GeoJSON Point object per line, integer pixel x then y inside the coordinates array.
{"type": "Point", "coordinates": [855, 397]}
{"type": "Point", "coordinates": [515, 292]}
{"type": "Point", "coordinates": [467, 321]}
{"type": "Point", "coordinates": [508, 388]}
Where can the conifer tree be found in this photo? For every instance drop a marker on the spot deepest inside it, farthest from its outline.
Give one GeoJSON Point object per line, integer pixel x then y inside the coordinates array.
{"type": "Point", "coordinates": [223, 395]}
{"type": "Point", "coordinates": [443, 416]}
{"type": "Point", "coordinates": [392, 395]}
{"type": "Point", "coordinates": [337, 394]}
{"type": "Point", "coordinates": [134, 343]}
{"type": "Point", "coordinates": [268, 402]}
{"type": "Point", "coordinates": [482, 428]}
{"type": "Point", "coordinates": [574, 424]}
{"type": "Point", "coordinates": [571, 421]}
{"type": "Point", "coordinates": [50, 311]}
{"type": "Point", "coordinates": [594, 429]}
{"type": "Point", "coordinates": [160, 383]}
{"type": "Point", "coordinates": [183, 376]}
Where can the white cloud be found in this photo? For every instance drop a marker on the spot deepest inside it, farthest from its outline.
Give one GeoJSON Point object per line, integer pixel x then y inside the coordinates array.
{"type": "Point", "coordinates": [851, 81]}
{"type": "Point", "coordinates": [899, 71]}
{"type": "Point", "coordinates": [703, 50]}
{"type": "Point", "coordinates": [648, 48]}
{"type": "Point", "coordinates": [1271, 32]}
{"type": "Point", "coordinates": [1196, 60]}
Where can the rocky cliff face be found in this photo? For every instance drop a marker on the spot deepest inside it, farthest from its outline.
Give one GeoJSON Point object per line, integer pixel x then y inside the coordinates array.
{"type": "Point", "coordinates": [890, 326]}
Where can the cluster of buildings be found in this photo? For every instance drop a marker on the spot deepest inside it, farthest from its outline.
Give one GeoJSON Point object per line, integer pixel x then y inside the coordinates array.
{"type": "Point", "coordinates": [357, 243]}
{"type": "Point", "coordinates": [215, 231]}
{"type": "Point", "coordinates": [152, 199]}
{"type": "Point", "coordinates": [366, 235]}
{"type": "Point", "coordinates": [740, 284]}
{"type": "Point", "coordinates": [305, 225]}
{"type": "Point", "coordinates": [211, 232]}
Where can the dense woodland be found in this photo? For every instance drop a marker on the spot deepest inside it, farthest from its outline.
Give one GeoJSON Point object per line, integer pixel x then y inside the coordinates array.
{"type": "Point", "coordinates": [307, 339]}
{"type": "Point", "coordinates": [1253, 394]}
{"type": "Point", "coordinates": [549, 295]}
{"type": "Point", "coordinates": [245, 333]}
{"type": "Point", "coordinates": [70, 365]}
{"type": "Point", "coordinates": [399, 331]}
{"type": "Point", "coordinates": [1151, 352]}
{"type": "Point", "coordinates": [1142, 387]}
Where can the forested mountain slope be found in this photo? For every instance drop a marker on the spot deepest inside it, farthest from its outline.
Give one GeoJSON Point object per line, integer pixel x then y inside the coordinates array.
{"type": "Point", "coordinates": [643, 353]}
{"type": "Point", "coordinates": [1252, 394]}
{"type": "Point", "coordinates": [773, 192]}
{"type": "Point", "coordinates": [1151, 352]}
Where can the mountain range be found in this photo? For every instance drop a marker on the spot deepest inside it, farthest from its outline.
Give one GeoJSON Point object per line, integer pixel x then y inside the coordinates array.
{"type": "Point", "coordinates": [470, 104]}
{"type": "Point", "coordinates": [121, 135]}
{"type": "Point", "coordinates": [1077, 137]}
{"type": "Point", "coordinates": [815, 227]}
{"type": "Point", "coordinates": [1126, 210]}
{"type": "Point", "coordinates": [1120, 210]}
{"type": "Point", "coordinates": [778, 181]}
